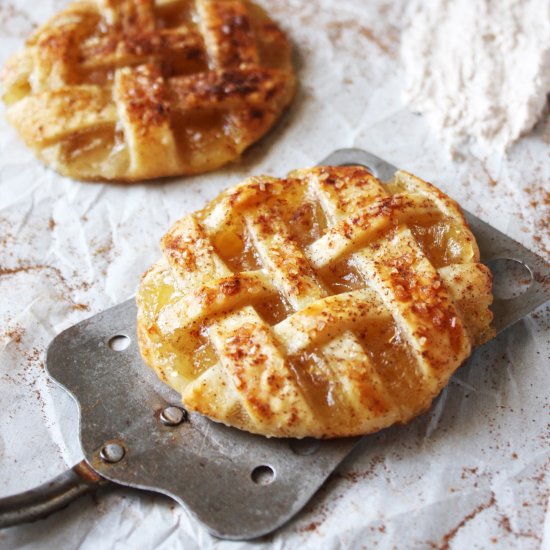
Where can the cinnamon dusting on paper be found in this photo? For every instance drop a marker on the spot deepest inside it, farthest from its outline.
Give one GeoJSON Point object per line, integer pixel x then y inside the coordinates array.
{"type": "Point", "coordinates": [539, 202]}
{"type": "Point", "coordinates": [15, 334]}
{"type": "Point", "coordinates": [387, 42]}
{"type": "Point", "coordinates": [447, 539]}
{"type": "Point", "coordinates": [8, 271]}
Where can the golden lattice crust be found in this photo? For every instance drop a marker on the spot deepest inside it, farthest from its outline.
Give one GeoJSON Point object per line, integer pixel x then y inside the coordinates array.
{"type": "Point", "coordinates": [325, 304]}
{"type": "Point", "coordinates": [135, 89]}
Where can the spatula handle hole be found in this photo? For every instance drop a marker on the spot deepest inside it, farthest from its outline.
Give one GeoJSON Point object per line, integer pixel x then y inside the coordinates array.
{"type": "Point", "coordinates": [511, 278]}
{"type": "Point", "coordinates": [120, 342]}
{"type": "Point", "coordinates": [263, 475]}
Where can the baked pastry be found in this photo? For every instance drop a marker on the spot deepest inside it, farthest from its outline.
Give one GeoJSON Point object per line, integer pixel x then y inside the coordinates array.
{"type": "Point", "coordinates": [325, 304]}
{"type": "Point", "coordinates": [134, 89]}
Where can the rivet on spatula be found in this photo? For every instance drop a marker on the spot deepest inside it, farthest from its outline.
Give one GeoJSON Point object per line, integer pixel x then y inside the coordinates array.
{"type": "Point", "coordinates": [112, 452]}
{"type": "Point", "coordinates": [172, 416]}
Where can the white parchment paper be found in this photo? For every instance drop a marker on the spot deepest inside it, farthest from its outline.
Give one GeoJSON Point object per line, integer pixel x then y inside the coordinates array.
{"type": "Point", "coordinates": [471, 473]}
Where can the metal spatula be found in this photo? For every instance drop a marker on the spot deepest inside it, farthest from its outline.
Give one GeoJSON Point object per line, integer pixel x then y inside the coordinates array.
{"type": "Point", "coordinates": [134, 432]}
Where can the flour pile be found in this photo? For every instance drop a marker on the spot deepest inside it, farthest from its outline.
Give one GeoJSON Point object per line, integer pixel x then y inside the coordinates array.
{"type": "Point", "coordinates": [479, 70]}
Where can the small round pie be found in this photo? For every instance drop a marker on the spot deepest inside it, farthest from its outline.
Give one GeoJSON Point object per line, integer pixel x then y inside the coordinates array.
{"type": "Point", "coordinates": [326, 304]}
{"type": "Point", "coordinates": [129, 90]}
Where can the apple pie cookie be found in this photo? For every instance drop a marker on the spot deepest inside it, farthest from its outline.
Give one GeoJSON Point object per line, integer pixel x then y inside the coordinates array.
{"type": "Point", "coordinates": [325, 304]}
{"type": "Point", "coordinates": [135, 89]}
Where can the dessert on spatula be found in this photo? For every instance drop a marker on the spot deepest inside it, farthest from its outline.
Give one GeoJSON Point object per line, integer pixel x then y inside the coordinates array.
{"type": "Point", "coordinates": [324, 304]}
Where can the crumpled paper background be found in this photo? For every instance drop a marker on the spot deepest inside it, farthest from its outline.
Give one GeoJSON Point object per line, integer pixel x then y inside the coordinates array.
{"type": "Point", "coordinates": [471, 473]}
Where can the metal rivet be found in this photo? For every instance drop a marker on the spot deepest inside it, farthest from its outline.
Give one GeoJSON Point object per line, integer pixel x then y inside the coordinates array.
{"type": "Point", "coordinates": [112, 452]}
{"type": "Point", "coordinates": [305, 447]}
{"type": "Point", "coordinates": [172, 415]}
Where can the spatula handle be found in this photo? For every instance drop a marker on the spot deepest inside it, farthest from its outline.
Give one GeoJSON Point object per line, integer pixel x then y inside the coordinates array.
{"type": "Point", "coordinates": [50, 497]}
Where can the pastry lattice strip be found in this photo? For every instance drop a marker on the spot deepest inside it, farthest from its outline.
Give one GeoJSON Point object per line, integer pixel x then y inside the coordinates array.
{"type": "Point", "coordinates": [292, 272]}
